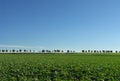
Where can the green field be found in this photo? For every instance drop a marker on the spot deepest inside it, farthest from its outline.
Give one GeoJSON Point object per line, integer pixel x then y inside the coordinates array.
{"type": "Point", "coordinates": [59, 67]}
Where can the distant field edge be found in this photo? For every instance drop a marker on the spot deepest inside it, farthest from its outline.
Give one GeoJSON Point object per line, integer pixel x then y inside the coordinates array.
{"type": "Point", "coordinates": [69, 53]}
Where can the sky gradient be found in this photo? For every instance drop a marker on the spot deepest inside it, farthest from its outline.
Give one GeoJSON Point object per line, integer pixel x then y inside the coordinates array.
{"type": "Point", "coordinates": [60, 24]}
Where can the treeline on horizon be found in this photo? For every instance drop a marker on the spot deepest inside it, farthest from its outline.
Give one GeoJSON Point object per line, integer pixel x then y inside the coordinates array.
{"type": "Point", "coordinates": [56, 51]}
{"type": "Point", "coordinates": [100, 51]}
{"type": "Point", "coordinates": [34, 51]}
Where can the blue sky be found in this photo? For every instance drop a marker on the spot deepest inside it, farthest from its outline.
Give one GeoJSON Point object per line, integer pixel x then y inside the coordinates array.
{"type": "Point", "coordinates": [60, 24]}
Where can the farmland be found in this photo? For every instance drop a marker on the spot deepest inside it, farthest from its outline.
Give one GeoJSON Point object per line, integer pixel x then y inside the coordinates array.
{"type": "Point", "coordinates": [60, 67]}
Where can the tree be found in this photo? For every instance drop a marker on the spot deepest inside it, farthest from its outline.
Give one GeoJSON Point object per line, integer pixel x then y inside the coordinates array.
{"type": "Point", "coordinates": [58, 51]}
{"type": "Point", "coordinates": [13, 51]}
{"type": "Point", "coordinates": [20, 50]}
{"type": "Point", "coordinates": [88, 51]}
{"type": "Point", "coordinates": [111, 51]}
{"type": "Point", "coordinates": [62, 51]}
{"type": "Point", "coordinates": [17, 51]}
{"type": "Point", "coordinates": [100, 51]}
{"type": "Point", "coordinates": [95, 51]}
{"type": "Point", "coordinates": [30, 51]}
{"type": "Point", "coordinates": [6, 51]}
{"type": "Point", "coordinates": [25, 51]}
{"type": "Point", "coordinates": [43, 51]}
{"type": "Point", "coordinates": [47, 51]}
{"type": "Point", "coordinates": [3, 51]}
{"type": "Point", "coordinates": [73, 51]}
{"type": "Point", "coordinates": [116, 51]}
{"type": "Point", "coordinates": [103, 51]}
{"type": "Point", "coordinates": [10, 51]}
{"type": "Point", "coordinates": [91, 51]}
{"type": "Point", "coordinates": [34, 51]}
{"type": "Point", "coordinates": [107, 51]}
{"type": "Point", "coordinates": [68, 51]}
{"type": "Point", "coordinates": [83, 51]}
{"type": "Point", "coordinates": [55, 51]}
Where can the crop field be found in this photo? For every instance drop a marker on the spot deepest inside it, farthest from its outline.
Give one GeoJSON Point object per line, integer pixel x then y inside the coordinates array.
{"type": "Point", "coordinates": [59, 67]}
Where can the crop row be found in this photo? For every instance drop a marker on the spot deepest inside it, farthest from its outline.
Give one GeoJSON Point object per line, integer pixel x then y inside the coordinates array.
{"type": "Point", "coordinates": [72, 67]}
{"type": "Point", "coordinates": [47, 72]}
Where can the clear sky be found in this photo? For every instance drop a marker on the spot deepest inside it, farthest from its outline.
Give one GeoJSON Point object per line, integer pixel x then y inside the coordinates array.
{"type": "Point", "coordinates": [60, 24]}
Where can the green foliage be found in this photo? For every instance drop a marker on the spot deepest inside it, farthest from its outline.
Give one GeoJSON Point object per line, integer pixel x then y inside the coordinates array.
{"type": "Point", "coordinates": [59, 67]}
